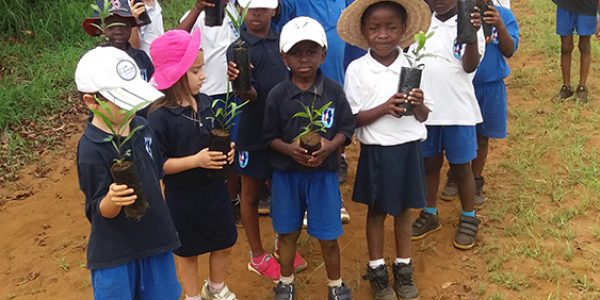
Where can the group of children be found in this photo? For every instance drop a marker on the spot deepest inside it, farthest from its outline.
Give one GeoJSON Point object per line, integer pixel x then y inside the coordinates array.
{"type": "Point", "coordinates": [189, 211]}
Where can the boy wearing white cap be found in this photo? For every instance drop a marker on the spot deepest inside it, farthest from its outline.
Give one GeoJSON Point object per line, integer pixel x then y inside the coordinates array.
{"type": "Point", "coordinates": [302, 181]}
{"type": "Point", "coordinates": [128, 259]}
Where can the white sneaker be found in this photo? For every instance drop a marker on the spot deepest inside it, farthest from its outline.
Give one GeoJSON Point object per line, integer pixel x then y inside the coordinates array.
{"type": "Point", "coordinates": [222, 294]}
{"type": "Point", "coordinates": [344, 215]}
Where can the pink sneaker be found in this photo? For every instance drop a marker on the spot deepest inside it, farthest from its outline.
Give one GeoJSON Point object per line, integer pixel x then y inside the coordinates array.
{"type": "Point", "coordinates": [268, 267]}
{"type": "Point", "coordinates": [299, 261]}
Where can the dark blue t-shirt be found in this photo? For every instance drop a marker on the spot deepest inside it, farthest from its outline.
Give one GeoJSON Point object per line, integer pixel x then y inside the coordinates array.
{"type": "Point", "coordinates": [120, 240]}
{"type": "Point", "coordinates": [269, 70]}
{"type": "Point", "coordinates": [282, 104]}
{"type": "Point", "coordinates": [182, 132]}
{"type": "Point", "coordinates": [494, 67]}
{"type": "Point", "coordinates": [143, 62]}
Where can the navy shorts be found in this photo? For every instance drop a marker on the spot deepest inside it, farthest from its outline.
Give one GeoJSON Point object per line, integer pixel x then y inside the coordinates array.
{"type": "Point", "coordinates": [459, 143]}
{"type": "Point", "coordinates": [390, 179]}
{"type": "Point", "coordinates": [317, 193]}
{"type": "Point", "coordinates": [492, 102]}
{"type": "Point", "coordinates": [236, 119]}
{"type": "Point", "coordinates": [152, 277]}
{"type": "Point", "coordinates": [568, 22]}
{"type": "Point", "coordinates": [255, 164]}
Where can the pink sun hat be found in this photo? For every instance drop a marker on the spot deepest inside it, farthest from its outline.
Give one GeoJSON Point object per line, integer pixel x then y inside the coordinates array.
{"type": "Point", "coordinates": [173, 54]}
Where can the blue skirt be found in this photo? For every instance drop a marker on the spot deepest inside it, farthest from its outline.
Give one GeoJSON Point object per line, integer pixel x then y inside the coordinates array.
{"type": "Point", "coordinates": [390, 179]}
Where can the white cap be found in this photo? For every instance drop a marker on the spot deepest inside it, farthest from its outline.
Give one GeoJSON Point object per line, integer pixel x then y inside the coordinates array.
{"type": "Point", "coordinates": [115, 75]}
{"type": "Point", "coordinates": [259, 3]}
{"type": "Point", "coordinates": [301, 29]}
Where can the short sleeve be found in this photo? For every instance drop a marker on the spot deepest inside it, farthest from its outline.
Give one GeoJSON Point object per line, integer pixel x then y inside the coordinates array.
{"type": "Point", "coordinates": [352, 89]}
{"type": "Point", "coordinates": [512, 27]}
{"type": "Point", "coordinates": [345, 117]}
{"type": "Point", "coordinates": [158, 125]}
{"type": "Point", "coordinates": [271, 122]}
{"type": "Point", "coordinates": [94, 180]}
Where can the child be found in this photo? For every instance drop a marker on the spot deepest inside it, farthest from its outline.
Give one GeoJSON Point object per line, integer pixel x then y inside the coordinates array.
{"type": "Point", "coordinates": [390, 177]}
{"type": "Point", "coordinates": [490, 89]}
{"type": "Point", "coordinates": [128, 259]}
{"type": "Point", "coordinates": [118, 31]}
{"type": "Point", "coordinates": [199, 204]}
{"type": "Point", "coordinates": [142, 36]}
{"type": "Point", "coordinates": [579, 16]}
{"type": "Point", "coordinates": [253, 157]}
{"type": "Point", "coordinates": [303, 182]}
{"type": "Point", "coordinates": [447, 79]}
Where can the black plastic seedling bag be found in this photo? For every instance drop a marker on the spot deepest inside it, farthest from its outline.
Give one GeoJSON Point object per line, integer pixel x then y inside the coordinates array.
{"type": "Point", "coordinates": [410, 78]}
{"type": "Point", "coordinates": [466, 33]}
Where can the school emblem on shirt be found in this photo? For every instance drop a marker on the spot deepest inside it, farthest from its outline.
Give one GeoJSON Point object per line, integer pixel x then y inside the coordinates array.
{"type": "Point", "coordinates": [243, 158]}
{"type": "Point", "coordinates": [327, 117]}
{"type": "Point", "coordinates": [148, 145]}
{"type": "Point", "coordinates": [495, 36]}
{"type": "Point", "coordinates": [457, 49]}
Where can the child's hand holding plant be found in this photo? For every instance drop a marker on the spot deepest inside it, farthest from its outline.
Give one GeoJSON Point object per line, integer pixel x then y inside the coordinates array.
{"type": "Point", "coordinates": [392, 106]}
{"type": "Point", "coordinates": [203, 4]}
{"type": "Point", "coordinates": [210, 159]}
{"type": "Point", "coordinates": [476, 18]}
{"type": "Point", "coordinates": [319, 156]}
{"type": "Point", "coordinates": [298, 154]}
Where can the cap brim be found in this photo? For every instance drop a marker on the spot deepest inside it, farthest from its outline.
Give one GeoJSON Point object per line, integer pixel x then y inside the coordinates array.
{"type": "Point", "coordinates": [418, 19]}
{"type": "Point", "coordinates": [89, 24]}
{"type": "Point", "coordinates": [137, 92]}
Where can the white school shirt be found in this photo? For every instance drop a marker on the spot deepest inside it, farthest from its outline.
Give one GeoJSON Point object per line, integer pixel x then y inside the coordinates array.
{"type": "Point", "coordinates": [214, 43]}
{"type": "Point", "coordinates": [503, 3]}
{"type": "Point", "coordinates": [445, 81]}
{"type": "Point", "coordinates": [153, 30]}
{"type": "Point", "coordinates": [368, 84]}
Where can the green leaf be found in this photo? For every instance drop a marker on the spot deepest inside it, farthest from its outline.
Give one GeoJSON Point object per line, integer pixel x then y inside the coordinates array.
{"type": "Point", "coordinates": [104, 120]}
{"type": "Point", "coordinates": [323, 108]}
{"type": "Point", "coordinates": [105, 107]}
{"type": "Point", "coordinates": [131, 133]}
{"type": "Point", "coordinates": [301, 114]}
{"type": "Point", "coordinates": [219, 112]}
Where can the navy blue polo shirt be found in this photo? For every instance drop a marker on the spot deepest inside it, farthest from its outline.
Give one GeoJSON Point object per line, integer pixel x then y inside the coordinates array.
{"type": "Point", "coordinates": [142, 60]}
{"type": "Point", "coordinates": [120, 240]}
{"type": "Point", "coordinates": [282, 104]}
{"type": "Point", "coordinates": [269, 70]}
{"type": "Point", "coordinates": [182, 132]}
{"type": "Point", "coordinates": [494, 67]}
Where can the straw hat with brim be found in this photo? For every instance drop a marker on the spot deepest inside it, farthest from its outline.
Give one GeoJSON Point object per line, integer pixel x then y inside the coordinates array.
{"type": "Point", "coordinates": [120, 8]}
{"type": "Point", "coordinates": [173, 54]}
{"type": "Point", "coordinates": [418, 19]}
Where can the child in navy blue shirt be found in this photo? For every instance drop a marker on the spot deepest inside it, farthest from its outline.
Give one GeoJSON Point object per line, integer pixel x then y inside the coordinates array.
{"type": "Point", "coordinates": [199, 204]}
{"type": "Point", "coordinates": [253, 156]}
{"type": "Point", "coordinates": [490, 89]}
{"type": "Point", "coordinates": [301, 181]}
{"type": "Point", "coordinates": [129, 259]}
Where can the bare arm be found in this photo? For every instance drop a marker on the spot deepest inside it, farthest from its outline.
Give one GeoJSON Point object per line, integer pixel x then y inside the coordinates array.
{"type": "Point", "coordinates": [390, 107]}
{"type": "Point", "coordinates": [505, 41]}
{"type": "Point", "coordinates": [470, 59]}
{"type": "Point", "coordinates": [188, 22]}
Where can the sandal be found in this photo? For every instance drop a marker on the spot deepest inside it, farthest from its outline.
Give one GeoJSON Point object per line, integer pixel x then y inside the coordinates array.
{"type": "Point", "coordinates": [466, 233]}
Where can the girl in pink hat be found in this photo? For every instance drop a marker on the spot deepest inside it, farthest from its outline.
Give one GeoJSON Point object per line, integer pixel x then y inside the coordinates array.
{"type": "Point", "coordinates": [199, 205]}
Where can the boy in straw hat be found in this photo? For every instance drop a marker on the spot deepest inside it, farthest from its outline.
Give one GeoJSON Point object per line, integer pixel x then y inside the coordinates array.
{"type": "Point", "coordinates": [390, 176]}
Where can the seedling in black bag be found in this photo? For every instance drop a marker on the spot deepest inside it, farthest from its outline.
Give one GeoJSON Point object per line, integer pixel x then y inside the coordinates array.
{"type": "Point", "coordinates": [410, 78]}
{"type": "Point", "coordinates": [466, 32]}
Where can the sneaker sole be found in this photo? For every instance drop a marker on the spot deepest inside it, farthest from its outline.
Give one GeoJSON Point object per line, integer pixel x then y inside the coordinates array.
{"type": "Point", "coordinates": [250, 268]}
{"type": "Point", "coordinates": [463, 247]}
{"type": "Point", "coordinates": [422, 236]}
{"type": "Point", "coordinates": [264, 211]}
{"type": "Point", "coordinates": [447, 197]}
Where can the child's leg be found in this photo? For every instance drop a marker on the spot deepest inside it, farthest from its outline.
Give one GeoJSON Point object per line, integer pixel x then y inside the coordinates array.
{"type": "Point", "coordinates": [331, 257]}
{"type": "Point", "coordinates": [433, 165]}
{"type": "Point", "coordinates": [482, 151]}
{"type": "Point", "coordinates": [218, 263]}
{"type": "Point", "coordinates": [251, 188]}
{"type": "Point", "coordinates": [188, 272]}
{"type": "Point", "coordinates": [375, 226]}
{"type": "Point", "coordinates": [287, 251]}
{"type": "Point", "coordinates": [466, 185]}
{"type": "Point", "coordinates": [566, 48]}
{"type": "Point", "coordinates": [402, 233]}
{"type": "Point", "coordinates": [585, 49]}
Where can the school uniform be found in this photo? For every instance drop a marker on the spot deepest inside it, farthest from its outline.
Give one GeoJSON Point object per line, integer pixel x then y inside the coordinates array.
{"type": "Point", "coordinates": [390, 175]}
{"type": "Point", "coordinates": [298, 189]}
{"type": "Point", "coordinates": [129, 254]}
{"type": "Point", "coordinates": [149, 32]}
{"type": "Point", "coordinates": [199, 205]}
{"type": "Point", "coordinates": [451, 125]}
{"type": "Point", "coordinates": [327, 13]}
{"type": "Point", "coordinates": [576, 16]}
{"type": "Point", "coordinates": [489, 81]}
{"type": "Point", "coordinates": [252, 156]}
{"type": "Point", "coordinates": [142, 60]}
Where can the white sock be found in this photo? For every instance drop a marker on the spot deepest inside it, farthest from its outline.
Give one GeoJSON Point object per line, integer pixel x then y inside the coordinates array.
{"type": "Point", "coordinates": [334, 283]}
{"type": "Point", "coordinates": [402, 260]}
{"type": "Point", "coordinates": [197, 297]}
{"type": "Point", "coordinates": [373, 264]}
{"type": "Point", "coordinates": [214, 287]}
{"type": "Point", "coordinates": [287, 279]}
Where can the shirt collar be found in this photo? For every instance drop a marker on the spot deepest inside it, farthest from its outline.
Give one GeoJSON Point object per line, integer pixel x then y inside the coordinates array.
{"type": "Point", "coordinates": [131, 51]}
{"type": "Point", "coordinates": [377, 67]}
{"type": "Point", "coordinates": [316, 88]}
{"type": "Point", "coordinates": [435, 22]}
{"type": "Point", "coordinates": [253, 39]}
{"type": "Point", "coordinates": [201, 105]}
{"type": "Point", "coordinates": [98, 136]}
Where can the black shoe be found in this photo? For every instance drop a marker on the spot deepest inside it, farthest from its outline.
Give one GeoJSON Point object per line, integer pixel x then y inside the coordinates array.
{"type": "Point", "coordinates": [424, 225]}
{"type": "Point", "coordinates": [380, 286]}
{"type": "Point", "coordinates": [405, 284]}
{"type": "Point", "coordinates": [343, 171]}
{"type": "Point", "coordinates": [479, 199]}
{"type": "Point", "coordinates": [450, 190]}
{"type": "Point", "coordinates": [235, 203]}
{"type": "Point", "coordinates": [284, 291]}
{"type": "Point", "coordinates": [264, 206]}
{"type": "Point", "coordinates": [581, 94]}
{"type": "Point", "coordinates": [341, 292]}
{"type": "Point", "coordinates": [565, 93]}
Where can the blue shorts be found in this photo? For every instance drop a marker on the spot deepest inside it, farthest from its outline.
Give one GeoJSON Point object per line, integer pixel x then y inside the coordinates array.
{"type": "Point", "coordinates": [236, 120]}
{"type": "Point", "coordinates": [568, 22]}
{"type": "Point", "coordinates": [492, 102]}
{"type": "Point", "coordinates": [458, 142]}
{"type": "Point", "coordinates": [317, 193]}
{"type": "Point", "coordinates": [255, 164]}
{"type": "Point", "coordinates": [146, 278]}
